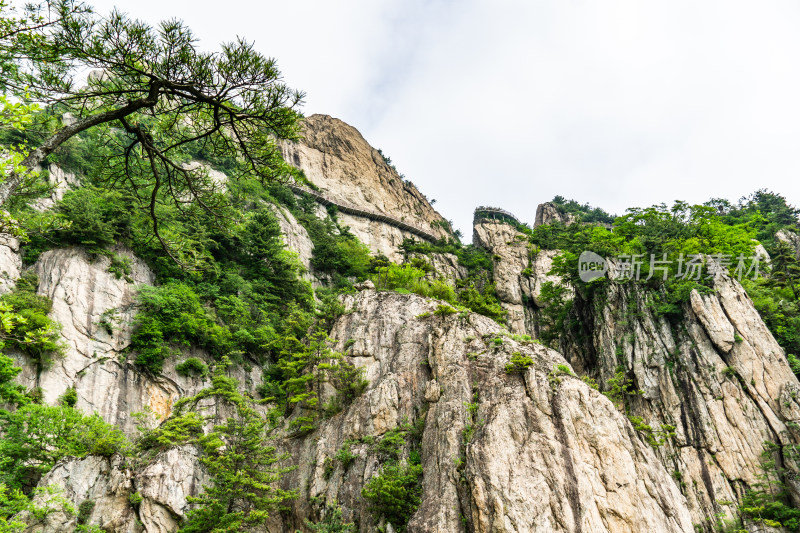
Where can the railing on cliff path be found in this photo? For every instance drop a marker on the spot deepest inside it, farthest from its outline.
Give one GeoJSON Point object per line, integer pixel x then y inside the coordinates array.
{"type": "Point", "coordinates": [371, 214]}
{"type": "Point", "coordinates": [494, 213]}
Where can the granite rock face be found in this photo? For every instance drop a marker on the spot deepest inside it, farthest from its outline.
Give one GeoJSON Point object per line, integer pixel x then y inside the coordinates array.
{"type": "Point", "coordinates": [95, 308]}
{"type": "Point", "coordinates": [60, 181]}
{"type": "Point", "coordinates": [716, 374]}
{"type": "Point", "coordinates": [546, 454]}
{"type": "Point", "coordinates": [548, 212]}
{"type": "Point", "coordinates": [520, 272]}
{"type": "Point", "coordinates": [109, 484]}
{"type": "Point", "coordinates": [536, 449]}
{"type": "Point", "coordinates": [336, 158]}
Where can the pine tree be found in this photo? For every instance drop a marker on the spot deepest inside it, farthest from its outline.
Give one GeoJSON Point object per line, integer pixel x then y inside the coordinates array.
{"type": "Point", "coordinates": [240, 458]}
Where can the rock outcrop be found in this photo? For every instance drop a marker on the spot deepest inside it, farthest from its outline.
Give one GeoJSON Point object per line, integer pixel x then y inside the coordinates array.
{"type": "Point", "coordinates": [715, 373]}
{"type": "Point", "coordinates": [545, 452]}
{"type": "Point", "coordinates": [61, 182]}
{"type": "Point", "coordinates": [791, 239]}
{"type": "Point", "coordinates": [520, 271]}
{"type": "Point", "coordinates": [533, 451]}
{"type": "Point", "coordinates": [297, 241]}
{"type": "Point", "coordinates": [10, 263]}
{"type": "Point", "coordinates": [525, 447]}
{"type": "Point", "coordinates": [548, 212]}
{"type": "Point", "coordinates": [336, 158]}
{"type": "Point", "coordinates": [120, 498]}
{"type": "Point", "coordinates": [95, 308]}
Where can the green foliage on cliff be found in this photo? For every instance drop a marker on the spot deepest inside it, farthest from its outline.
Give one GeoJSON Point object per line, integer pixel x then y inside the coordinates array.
{"type": "Point", "coordinates": [582, 212]}
{"type": "Point", "coordinates": [238, 454]}
{"type": "Point", "coordinates": [25, 323]}
{"type": "Point", "coordinates": [476, 292]}
{"type": "Point", "coordinates": [395, 492]}
{"type": "Point", "coordinates": [769, 501]}
{"type": "Point", "coordinates": [36, 437]}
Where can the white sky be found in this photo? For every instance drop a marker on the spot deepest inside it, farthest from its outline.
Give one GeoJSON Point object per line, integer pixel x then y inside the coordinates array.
{"type": "Point", "coordinates": [618, 103]}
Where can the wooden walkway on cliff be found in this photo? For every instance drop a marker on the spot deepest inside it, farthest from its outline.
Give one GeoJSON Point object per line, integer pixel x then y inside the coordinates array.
{"type": "Point", "coordinates": [371, 214]}
{"type": "Point", "coordinates": [494, 213]}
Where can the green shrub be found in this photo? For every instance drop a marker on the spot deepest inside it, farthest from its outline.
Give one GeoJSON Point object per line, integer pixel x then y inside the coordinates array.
{"type": "Point", "coordinates": [85, 511]}
{"type": "Point", "coordinates": [392, 444]}
{"type": "Point", "coordinates": [794, 364]}
{"type": "Point", "coordinates": [394, 277]}
{"type": "Point", "coordinates": [35, 437]}
{"type": "Point", "coordinates": [192, 367]}
{"type": "Point", "coordinates": [395, 493]}
{"type": "Point", "coordinates": [619, 388]}
{"type": "Point", "coordinates": [27, 326]}
{"type": "Point", "coordinates": [444, 310]}
{"type": "Point", "coordinates": [69, 398]}
{"type": "Point", "coordinates": [173, 315]}
{"type": "Point", "coordinates": [554, 377]}
{"type": "Point", "coordinates": [768, 501]}
{"type": "Point", "coordinates": [345, 456]}
{"type": "Point", "coordinates": [518, 363]}
{"type": "Point", "coordinates": [332, 521]}
{"type": "Point", "coordinates": [591, 382]}
{"type": "Point", "coordinates": [655, 437]}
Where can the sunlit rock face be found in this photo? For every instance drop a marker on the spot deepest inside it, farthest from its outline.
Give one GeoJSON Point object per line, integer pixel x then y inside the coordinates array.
{"type": "Point", "coordinates": [336, 158]}
{"type": "Point", "coordinates": [546, 455]}
{"type": "Point", "coordinates": [537, 450]}
{"type": "Point", "coordinates": [548, 212]}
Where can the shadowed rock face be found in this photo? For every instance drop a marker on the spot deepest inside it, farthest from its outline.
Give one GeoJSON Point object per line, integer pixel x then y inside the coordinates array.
{"type": "Point", "coordinates": [336, 158]}
{"type": "Point", "coordinates": [519, 272]}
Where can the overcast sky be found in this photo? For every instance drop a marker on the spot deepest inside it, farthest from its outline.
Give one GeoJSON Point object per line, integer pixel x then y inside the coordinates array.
{"type": "Point", "coordinates": [508, 103]}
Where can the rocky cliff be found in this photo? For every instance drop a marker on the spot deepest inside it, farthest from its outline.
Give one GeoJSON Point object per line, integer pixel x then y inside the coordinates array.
{"type": "Point", "coordinates": [510, 435]}
{"type": "Point", "coordinates": [336, 158]}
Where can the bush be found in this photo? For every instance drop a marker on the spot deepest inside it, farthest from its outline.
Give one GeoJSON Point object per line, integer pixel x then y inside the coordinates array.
{"type": "Point", "coordinates": [345, 456]}
{"type": "Point", "coordinates": [69, 398]}
{"type": "Point", "coordinates": [173, 315]}
{"type": "Point", "coordinates": [395, 493]}
{"type": "Point", "coordinates": [333, 522]}
{"type": "Point", "coordinates": [518, 363]}
{"type": "Point", "coordinates": [192, 367]}
{"type": "Point", "coordinates": [97, 218]}
{"type": "Point", "coordinates": [26, 323]}
{"type": "Point", "coordinates": [391, 445]}
{"type": "Point", "coordinates": [35, 437]}
{"type": "Point", "coordinates": [769, 500]}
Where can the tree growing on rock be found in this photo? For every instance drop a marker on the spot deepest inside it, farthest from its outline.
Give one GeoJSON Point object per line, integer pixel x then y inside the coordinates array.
{"type": "Point", "coordinates": [153, 99]}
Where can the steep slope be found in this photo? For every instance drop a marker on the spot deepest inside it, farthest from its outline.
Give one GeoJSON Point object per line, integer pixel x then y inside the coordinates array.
{"type": "Point", "coordinates": [336, 158]}
{"type": "Point", "coordinates": [715, 372]}
{"type": "Point", "coordinates": [532, 451]}
{"type": "Point", "coordinates": [507, 436]}
{"type": "Point", "coordinates": [500, 452]}
{"type": "Point", "coordinates": [520, 271]}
